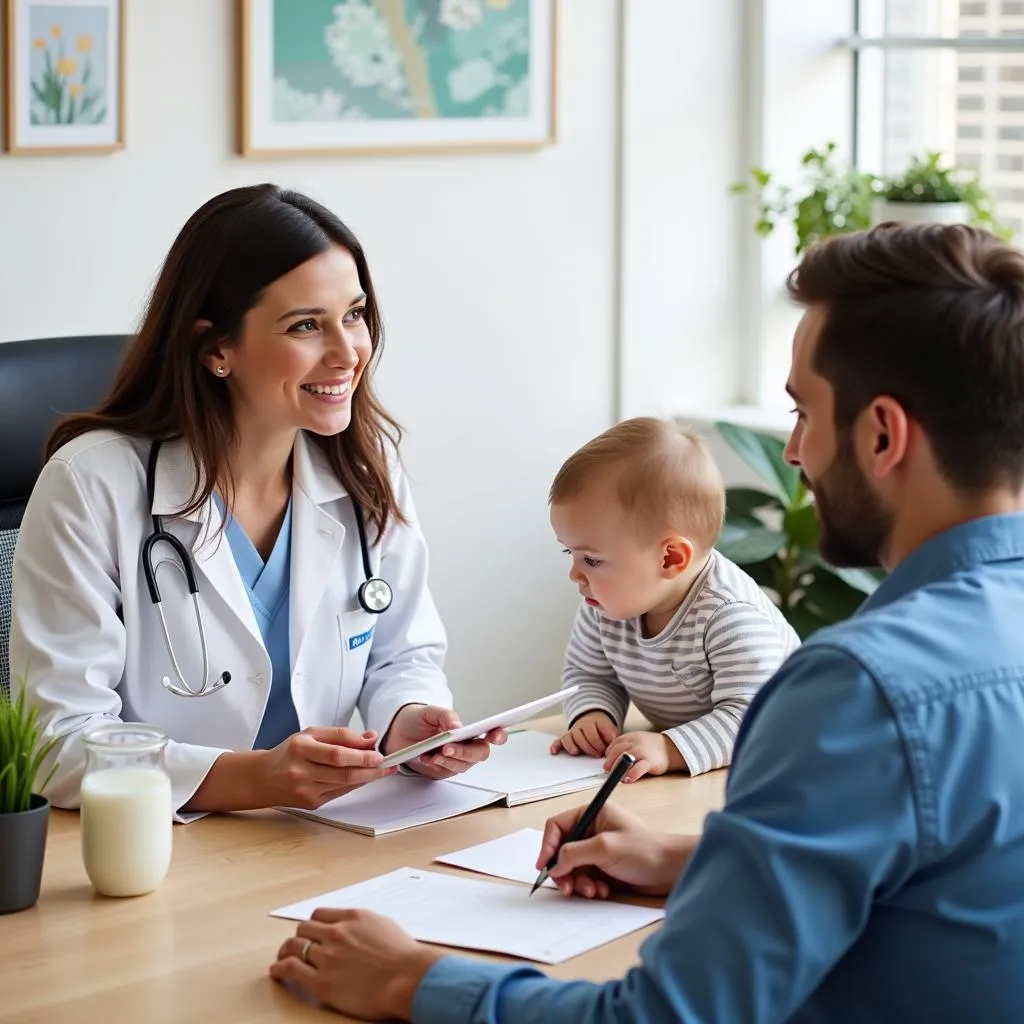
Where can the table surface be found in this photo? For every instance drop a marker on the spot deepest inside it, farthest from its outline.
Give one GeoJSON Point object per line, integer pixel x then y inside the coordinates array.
{"type": "Point", "coordinates": [199, 946]}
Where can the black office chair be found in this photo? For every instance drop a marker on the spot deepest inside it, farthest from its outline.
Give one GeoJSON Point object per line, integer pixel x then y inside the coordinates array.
{"type": "Point", "coordinates": [40, 381]}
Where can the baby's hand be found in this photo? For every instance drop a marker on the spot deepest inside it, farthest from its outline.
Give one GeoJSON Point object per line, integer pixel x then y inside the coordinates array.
{"type": "Point", "coordinates": [590, 734]}
{"type": "Point", "coordinates": [655, 754]}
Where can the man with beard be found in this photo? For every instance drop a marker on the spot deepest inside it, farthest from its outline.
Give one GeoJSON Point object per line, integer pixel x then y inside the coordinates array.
{"type": "Point", "coordinates": [869, 862]}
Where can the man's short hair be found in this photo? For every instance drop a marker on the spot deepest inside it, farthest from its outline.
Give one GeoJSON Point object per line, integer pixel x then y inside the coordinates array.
{"type": "Point", "coordinates": [933, 316]}
{"type": "Point", "coordinates": [661, 475]}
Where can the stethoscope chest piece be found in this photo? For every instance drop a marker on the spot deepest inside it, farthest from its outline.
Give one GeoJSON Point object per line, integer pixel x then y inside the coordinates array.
{"type": "Point", "coordinates": [375, 595]}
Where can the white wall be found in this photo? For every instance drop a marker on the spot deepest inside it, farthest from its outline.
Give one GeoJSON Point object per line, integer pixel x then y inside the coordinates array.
{"type": "Point", "coordinates": [684, 131]}
{"type": "Point", "coordinates": [496, 274]}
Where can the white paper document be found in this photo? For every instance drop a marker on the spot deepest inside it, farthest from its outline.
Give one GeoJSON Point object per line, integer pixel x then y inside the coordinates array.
{"type": "Point", "coordinates": [524, 770]}
{"type": "Point", "coordinates": [513, 856]}
{"type": "Point", "coordinates": [491, 916]}
{"type": "Point", "coordinates": [397, 802]}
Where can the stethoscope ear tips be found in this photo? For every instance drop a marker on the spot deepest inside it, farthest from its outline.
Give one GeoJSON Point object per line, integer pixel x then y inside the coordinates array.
{"type": "Point", "coordinates": [183, 691]}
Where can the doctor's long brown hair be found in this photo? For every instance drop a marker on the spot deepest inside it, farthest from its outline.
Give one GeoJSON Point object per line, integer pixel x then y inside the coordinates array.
{"type": "Point", "coordinates": [230, 249]}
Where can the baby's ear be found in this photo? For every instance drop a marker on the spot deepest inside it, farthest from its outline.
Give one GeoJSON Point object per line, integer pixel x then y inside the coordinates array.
{"type": "Point", "coordinates": [676, 556]}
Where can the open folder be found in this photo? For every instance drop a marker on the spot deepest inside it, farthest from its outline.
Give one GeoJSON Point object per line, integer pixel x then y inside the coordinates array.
{"type": "Point", "coordinates": [519, 772]}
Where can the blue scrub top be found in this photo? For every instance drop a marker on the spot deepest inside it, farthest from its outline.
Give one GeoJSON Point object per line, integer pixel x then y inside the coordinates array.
{"type": "Point", "coordinates": [267, 584]}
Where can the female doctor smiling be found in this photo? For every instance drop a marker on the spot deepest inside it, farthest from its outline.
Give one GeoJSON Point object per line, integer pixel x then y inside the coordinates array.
{"type": "Point", "coordinates": [252, 369]}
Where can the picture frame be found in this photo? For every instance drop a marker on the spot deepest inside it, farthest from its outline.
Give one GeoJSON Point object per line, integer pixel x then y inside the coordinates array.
{"type": "Point", "coordinates": [64, 79]}
{"type": "Point", "coordinates": [395, 76]}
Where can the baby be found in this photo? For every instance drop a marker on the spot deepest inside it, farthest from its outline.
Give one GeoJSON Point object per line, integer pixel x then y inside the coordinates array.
{"type": "Point", "coordinates": [666, 621]}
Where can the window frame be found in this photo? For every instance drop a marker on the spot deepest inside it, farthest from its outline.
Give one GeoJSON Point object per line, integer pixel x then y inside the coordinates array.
{"type": "Point", "coordinates": [868, 45]}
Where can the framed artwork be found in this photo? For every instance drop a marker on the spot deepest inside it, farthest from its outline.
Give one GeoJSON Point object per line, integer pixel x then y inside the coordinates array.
{"type": "Point", "coordinates": [378, 76]}
{"type": "Point", "coordinates": [65, 76]}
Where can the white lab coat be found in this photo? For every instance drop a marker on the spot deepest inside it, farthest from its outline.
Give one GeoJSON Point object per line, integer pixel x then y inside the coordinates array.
{"type": "Point", "coordinates": [86, 630]}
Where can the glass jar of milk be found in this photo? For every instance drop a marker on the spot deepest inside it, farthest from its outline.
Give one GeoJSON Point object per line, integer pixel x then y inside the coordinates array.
{"type": "Point", "coordinates": [127, 816]}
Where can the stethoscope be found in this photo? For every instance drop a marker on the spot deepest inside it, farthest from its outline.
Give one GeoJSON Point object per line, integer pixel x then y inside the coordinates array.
{"type": "Point", "coordinates": [374, 594]}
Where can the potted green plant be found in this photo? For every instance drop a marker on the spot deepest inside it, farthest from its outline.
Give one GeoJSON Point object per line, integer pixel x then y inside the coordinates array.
{"type": "Point", "coordinates": [832, 199]}
{"type": "Point", "coordinates": [24, 814]}
{"type": "Point", "coordinates": [835, 198]}
{"type": "Point", "coordinates": [773, 535]}
{"type": "Point", "coordinates": [929, 190]}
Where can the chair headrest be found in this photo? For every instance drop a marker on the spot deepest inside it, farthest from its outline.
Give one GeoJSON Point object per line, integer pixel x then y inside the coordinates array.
{"type": "Point", "coordinates": [40, 382]}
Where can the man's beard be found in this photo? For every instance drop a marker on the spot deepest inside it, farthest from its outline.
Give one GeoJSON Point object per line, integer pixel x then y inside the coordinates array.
{"type": "Point", "coordinates": [855, 525]}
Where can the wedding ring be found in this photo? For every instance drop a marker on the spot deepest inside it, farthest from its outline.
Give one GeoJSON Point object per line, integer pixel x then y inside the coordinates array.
{"type": "Point", "coordinates": [304, 952]}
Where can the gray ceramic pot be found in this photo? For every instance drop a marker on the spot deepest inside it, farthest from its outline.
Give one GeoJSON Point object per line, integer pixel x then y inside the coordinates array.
{"type": "Point", "coordinates": [22, 845]}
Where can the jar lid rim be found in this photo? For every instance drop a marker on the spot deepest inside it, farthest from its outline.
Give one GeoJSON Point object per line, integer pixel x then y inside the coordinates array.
{"type": "Point", "coordinates": [126, 737]}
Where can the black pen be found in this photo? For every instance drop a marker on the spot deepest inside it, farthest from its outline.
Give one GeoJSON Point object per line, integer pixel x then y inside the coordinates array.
{"type": "Point", "coordinates": [579, 830]}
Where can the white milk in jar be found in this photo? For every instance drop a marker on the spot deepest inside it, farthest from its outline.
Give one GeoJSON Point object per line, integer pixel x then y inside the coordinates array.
{"type": "Point", "coordinates": [127, 810]}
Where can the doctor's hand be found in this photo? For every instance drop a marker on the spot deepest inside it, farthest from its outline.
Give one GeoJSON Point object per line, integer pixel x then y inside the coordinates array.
{"type": "Point", "coordinates": [621, 853]}
{"type": "Point", "coordinates": [416, 722]}
{"type": "Point", "coordinates": [356, 962]}
{"type": "Point", "coordinates": [318, 764]}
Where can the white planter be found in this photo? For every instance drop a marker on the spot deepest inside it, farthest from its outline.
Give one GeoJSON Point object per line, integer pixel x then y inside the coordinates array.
{"type": "Point", "coordinates": [920, 213]}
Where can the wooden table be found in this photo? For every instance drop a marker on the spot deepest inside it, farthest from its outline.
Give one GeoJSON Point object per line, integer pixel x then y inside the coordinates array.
{"type": "Point", "coordinates": [198, 947]}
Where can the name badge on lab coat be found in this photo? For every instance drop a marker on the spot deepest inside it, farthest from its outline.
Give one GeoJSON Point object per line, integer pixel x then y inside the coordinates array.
{"type": "Point", "coordinates": [359, 639]}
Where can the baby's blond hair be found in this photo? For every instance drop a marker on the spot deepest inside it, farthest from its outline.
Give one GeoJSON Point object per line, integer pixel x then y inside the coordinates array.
{"type": "Point", "coordinates": [661, 474]}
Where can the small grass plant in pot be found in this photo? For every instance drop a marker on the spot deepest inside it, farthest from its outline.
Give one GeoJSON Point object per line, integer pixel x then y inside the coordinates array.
{"type": "Point", "coordinates": [772, 533]}
{"type": "Point", "coordinates": [24, 811]}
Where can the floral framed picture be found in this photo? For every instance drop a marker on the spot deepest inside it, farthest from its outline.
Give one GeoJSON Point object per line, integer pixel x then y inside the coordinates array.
{"type": "Point", "coordinates": [65, 76]}
{"type": "Point", "coordinates": [376, 76]}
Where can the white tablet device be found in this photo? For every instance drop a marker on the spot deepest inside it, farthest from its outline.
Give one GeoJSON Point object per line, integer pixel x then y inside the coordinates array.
{"type": "Point", "coordinates": [469, 732]}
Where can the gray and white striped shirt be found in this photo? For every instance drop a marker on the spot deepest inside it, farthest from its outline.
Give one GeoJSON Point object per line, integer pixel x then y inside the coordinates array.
{"type": "Point", "coordinates": [696, 678]}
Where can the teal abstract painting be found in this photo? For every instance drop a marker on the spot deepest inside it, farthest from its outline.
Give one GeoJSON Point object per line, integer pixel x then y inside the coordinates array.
{"type": "Point", "coordinates": [322, 75]}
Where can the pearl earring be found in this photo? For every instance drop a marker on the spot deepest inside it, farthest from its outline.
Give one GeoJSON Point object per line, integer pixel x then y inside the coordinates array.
{"type": "Point", "coordinates": [220, 371]}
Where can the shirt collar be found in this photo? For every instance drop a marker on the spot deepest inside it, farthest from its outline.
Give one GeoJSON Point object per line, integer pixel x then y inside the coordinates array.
{"type": "Point", "coordinates": [995, 538]}
{"type": "Point", "coordinates": [313, 473]}
{"type": "Point", "coordinates": [177, 474]}
{"type": "Point", "coordinates": [175, 480]}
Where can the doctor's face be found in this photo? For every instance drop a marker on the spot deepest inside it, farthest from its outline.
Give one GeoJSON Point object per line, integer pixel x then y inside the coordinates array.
{"type": "Point", "coordinates": [302, 350]}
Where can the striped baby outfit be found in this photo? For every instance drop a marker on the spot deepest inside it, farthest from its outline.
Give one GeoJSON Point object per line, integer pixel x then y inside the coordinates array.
{"type": "Point", "coordinates": [695, 679]}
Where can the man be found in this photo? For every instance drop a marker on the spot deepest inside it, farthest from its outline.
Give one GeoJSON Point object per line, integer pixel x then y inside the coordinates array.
{"type": "Point", "coordinates": [869, 862]}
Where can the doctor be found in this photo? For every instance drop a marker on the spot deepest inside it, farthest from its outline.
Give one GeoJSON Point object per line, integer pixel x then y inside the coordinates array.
{"type": "Point", "coordinates": [242, 423]}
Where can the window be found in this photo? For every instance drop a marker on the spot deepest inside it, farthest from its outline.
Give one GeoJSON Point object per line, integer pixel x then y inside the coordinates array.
{"type": "Point", "coordinates": [915, 76]}
{"type": "Point", "coordinates": [935, 75]}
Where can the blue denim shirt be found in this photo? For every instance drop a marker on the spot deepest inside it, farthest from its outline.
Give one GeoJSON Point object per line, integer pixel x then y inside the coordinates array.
{"type": "Point", "coordinates": [868, 865]}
